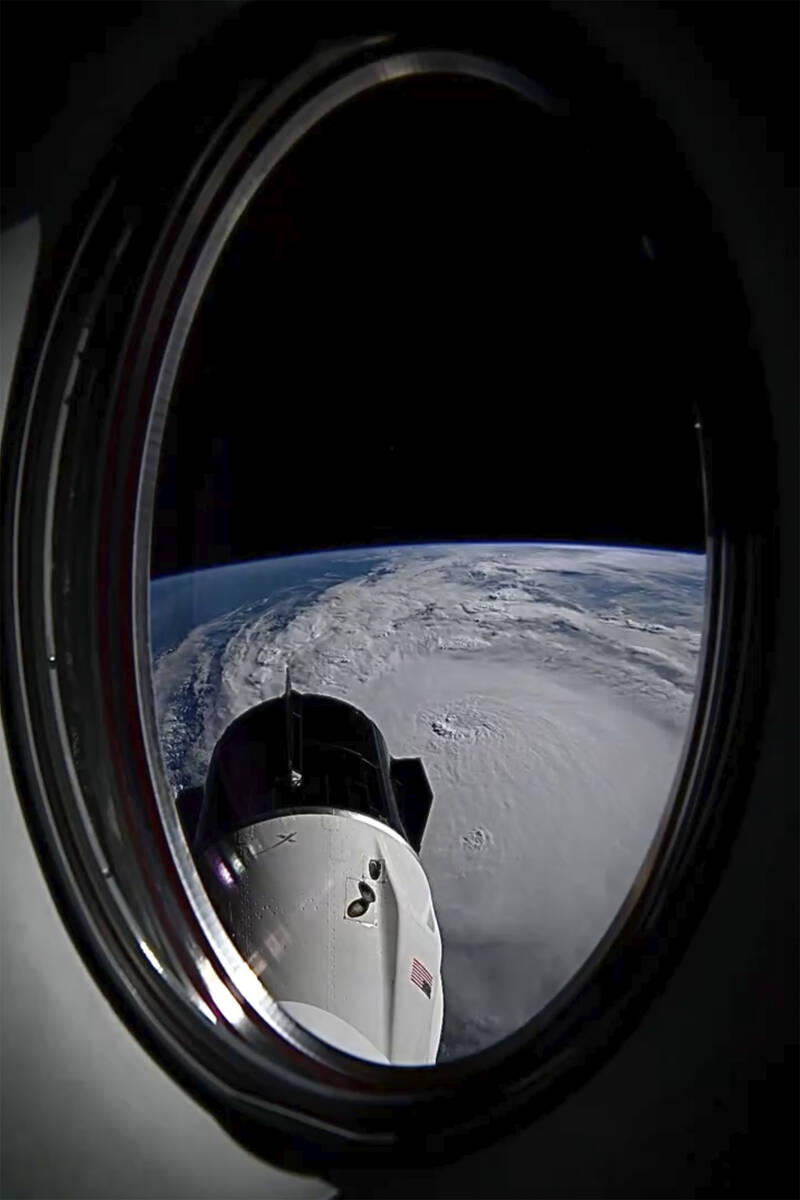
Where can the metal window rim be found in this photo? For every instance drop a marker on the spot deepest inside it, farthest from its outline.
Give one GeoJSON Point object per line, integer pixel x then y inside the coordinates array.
{"type": "Point", "coordinates": [277, 1074]}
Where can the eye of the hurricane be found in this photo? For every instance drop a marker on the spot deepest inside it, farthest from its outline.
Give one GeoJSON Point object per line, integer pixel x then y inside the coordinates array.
{"type": "Point", "coordinates": [428, 579]}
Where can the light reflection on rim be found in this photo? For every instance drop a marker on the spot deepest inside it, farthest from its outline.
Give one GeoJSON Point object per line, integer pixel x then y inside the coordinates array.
{"type": "Point", "coordinates": [354, 84]}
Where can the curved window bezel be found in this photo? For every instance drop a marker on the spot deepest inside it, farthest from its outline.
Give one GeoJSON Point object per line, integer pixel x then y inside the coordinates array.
{"type": "Point", "coordinates": [77, 682]}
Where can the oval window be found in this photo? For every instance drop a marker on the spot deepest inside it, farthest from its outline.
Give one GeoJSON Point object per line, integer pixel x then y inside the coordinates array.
{"type": "Point", "coordinates": [432, 450]}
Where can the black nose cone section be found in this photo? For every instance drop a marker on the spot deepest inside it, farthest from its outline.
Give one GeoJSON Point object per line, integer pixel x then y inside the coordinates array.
{"type": "Point", "coordinates": [304, 751]}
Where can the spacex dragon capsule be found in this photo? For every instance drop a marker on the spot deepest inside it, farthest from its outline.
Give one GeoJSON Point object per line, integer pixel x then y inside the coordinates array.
{"type": "Point", "coordinates": [306, 835]}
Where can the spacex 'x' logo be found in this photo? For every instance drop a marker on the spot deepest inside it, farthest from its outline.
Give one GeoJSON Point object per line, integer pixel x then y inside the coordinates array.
{"type": "Point", "coordinates": [283, 839]}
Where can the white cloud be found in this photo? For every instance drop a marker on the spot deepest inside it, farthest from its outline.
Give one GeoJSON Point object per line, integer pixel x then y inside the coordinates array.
{"type": "Point", "coordinates": [547, 690]}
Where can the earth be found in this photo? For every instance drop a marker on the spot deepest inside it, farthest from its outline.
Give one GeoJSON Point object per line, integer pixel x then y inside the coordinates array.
{"type": "Point", "coordinates": [548, 690]}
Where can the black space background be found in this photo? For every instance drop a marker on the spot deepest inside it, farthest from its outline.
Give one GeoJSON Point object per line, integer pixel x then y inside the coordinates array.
{"type": "Point", "coordinates": [437, 322]}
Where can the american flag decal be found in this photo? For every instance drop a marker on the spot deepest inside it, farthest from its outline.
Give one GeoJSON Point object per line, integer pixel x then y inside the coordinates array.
{"type": "Point", "coordinates": [421, 976]}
